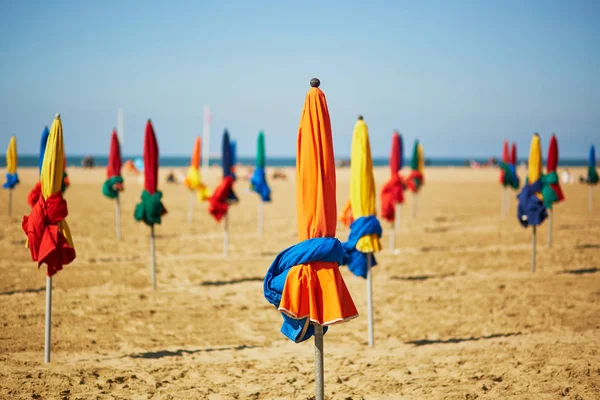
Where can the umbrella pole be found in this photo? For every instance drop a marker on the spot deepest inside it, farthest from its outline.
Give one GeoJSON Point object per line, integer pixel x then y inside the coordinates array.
{"type": "Point", "coordinates": [48, 319]}
{"type": "Point", "coordinates": [319, 385]}
{"type": "Point", "coordinates": [370, 299]}
{"type": "Point", "coordinates": [118, 217]}
{"type": "Point", "coordinates": [591, 200]}
{"type": "Point", "coordinates": [191, 208]}
{"type": "Point", "coordinates": [398, 207]}
{"type": "Point", "coordinates": [392, 237]}
{"type": "Point", "coordinates": [550, 227]}
{"type": "Point", "coordinates": [10, 202]}
{"type": "Point", "coordinates": [503, 203]}
{"type": "Point", "coordinates": [226, 235]}
{"type": "Point", "coordinates": [152, 257]}
{"type": "Point", "coordinates": [260, 218]}
{"type": "Point", "coordinates": [533, 250]}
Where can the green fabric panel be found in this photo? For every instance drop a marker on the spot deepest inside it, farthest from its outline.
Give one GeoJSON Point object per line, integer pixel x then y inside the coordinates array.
{"type": "Point", "coordinates": [592, 175]}
{"type": "Point", "coordinates": [414, 162]}
{"type": "Point", "coordinates": [260, 151]}
{"type": "Point", "coordinates": [151, 209]}
{"type": "Point", "coordinates": [107, 188]}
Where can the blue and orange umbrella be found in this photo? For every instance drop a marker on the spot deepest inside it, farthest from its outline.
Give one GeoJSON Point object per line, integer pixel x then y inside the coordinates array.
{"type": "Point", "coordinates": [304, 282]}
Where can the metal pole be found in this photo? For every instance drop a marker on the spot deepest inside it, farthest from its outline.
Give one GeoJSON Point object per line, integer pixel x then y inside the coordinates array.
{"type": "Point", "coordinates": [591, 201]}
{"type": "Point", "coordinates": [118, 217]}
{"type": "Point", "coordinates": [260, 217]}
{"type": "Point", "coordinates": [152, 257]}
{"type": "Point", "coordinates": [226, 235]}
{"type": "Point", "coordinates": [191, 208]}
{"type": "Point", "coordinates": [507, 201]}
{"type": "Point", "coordinates": [398, 207]}
{"type": "Point", "coordinates": [533, 250]}
{"type": "Point", "coordinates": [392, 237]}
{"type": "Point", "coordinates": [502, 209]}
{"type": "Point", "coordinates": [550, 228]}
{"type": "Point", "coordinates": [10, 202]}
{"type": "Point", "coordinates": [47, 332]}
{"type": "Point", "coordinates": [319, 381]}
{"type": "Point", "coordinates": [370, 299]}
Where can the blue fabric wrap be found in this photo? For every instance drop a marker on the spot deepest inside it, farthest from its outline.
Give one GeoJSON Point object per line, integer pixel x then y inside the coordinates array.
{"type": "Point", "coordinates": [43, 142]}
{"type": "Point", "coordinates": [259, 184]}
{"type": "Point", "coordinates": [353, 258]}
{"type": "Point", "coordinates": [531, 210]}
{"type": "Point", "coordinates": [311, 250]}
{"type": "Point", "coordinates": [11, 181]}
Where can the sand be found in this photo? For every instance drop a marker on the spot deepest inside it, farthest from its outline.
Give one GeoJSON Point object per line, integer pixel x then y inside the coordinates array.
{"type": "Point", "coordinates": [458, 313]}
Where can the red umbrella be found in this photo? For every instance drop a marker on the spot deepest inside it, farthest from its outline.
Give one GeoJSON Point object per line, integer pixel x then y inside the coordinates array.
{"type": "Point", "coordinates": [150, 159]}
{"type": "Point", "coordinates": [505, 159]}
{"type": "Point", "coordinates": [551, 165]}
{"type": "Point", "coordinates": [513, 154]}
{"type": "Point", "coordinates": [392, 192]}
{"type": "Point", "coordinates": [114, 182]}
{"type": "Point", "coordinates": [114, 156]}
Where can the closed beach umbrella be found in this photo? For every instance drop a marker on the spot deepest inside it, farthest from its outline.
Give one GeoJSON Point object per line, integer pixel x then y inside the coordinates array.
{"type": "Point", "coordinates": [114, 182]}
{"type": "Point", "coordinates": [151, 209]}
{"type": "Point", "coordinates": [392, 193]}
{"type": "Point", "coordinates": [531, 210]}
{"type": "Point", "coordinates": [12, 179]}
{"type": "Point", "coordinates": [35, 192]}
{"type": "Point", "coordinates": [48, 234]}
{"type": "Point", "coordinates": [193, 181]}
{"type": "Point", "coordinates": [365, 231]}
{"type": "Point", "coordinates": [416, 179]}
{"type": "Point", "coordinates": [304, 281]}
{"type": "Point", "coordinates": [592, 175]}
{"type": "Point", "coordinates": [552, 192]}
{"type": "Point", "coordinates": [258, 180]}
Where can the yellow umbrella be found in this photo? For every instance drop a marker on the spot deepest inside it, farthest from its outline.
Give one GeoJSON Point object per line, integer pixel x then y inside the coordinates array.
{"type": "Point", "coordinates": [12, 179]}
{"type": "Point", "coordinates": [362, 184]}
{"type": "Point", "coordinates": [48, 235]}
{"type": "Point", "coordinates": [366, 230]}
{"type": "Point", "coordinates": [534, 171]}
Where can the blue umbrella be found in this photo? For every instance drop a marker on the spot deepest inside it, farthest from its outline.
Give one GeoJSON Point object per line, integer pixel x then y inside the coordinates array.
{"type": "Point", "coordinates": [228, 158]}
{"type": "Point", "coordinates": [43, 147]}
{"type": "Point", "coordinates": [258, 181]}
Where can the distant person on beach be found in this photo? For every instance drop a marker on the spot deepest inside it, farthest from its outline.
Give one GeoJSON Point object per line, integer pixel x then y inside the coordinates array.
{"type": "Point", "coordinates": [171, 177]}
{"type": "Point", "coordinates": [279, 174]}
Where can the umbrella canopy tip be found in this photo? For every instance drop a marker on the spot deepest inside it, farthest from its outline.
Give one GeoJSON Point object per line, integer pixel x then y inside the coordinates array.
{"type": "Point", "coordinates": [57, 116]}
{"type": "Point", "coordinates": [149, 120]}
{"type": "Point", "coordinates": [360, 118]}
{"type": "Point", "coordinates": [536, 134]}
{"type": "Point", "coordinates": [315, 82]}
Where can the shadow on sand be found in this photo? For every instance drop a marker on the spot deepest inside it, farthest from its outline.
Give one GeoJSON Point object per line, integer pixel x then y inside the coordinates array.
{"type": "Point", "coordinates": [587, 246]}
{"type": "Point", "coordinates": [580, 271]}
{"type": "Point", "coordinates": [232, 281]}
{"type": "Point", "coordinates": [420, 277]}
{"type": "Point", "coordinates": [8, 293]}
{"type": "Point", "coordinates": [153, 355]}
{"type": "Point", "coordinates": [425, 342]}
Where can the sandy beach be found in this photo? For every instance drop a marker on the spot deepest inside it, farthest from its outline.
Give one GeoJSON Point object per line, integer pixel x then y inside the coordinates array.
{"type": "Point", "coordinates": [458, 313]}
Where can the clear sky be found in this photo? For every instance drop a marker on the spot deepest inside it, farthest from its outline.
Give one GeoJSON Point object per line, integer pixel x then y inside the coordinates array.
{"type": "Point", "coordinates": [459, 75]}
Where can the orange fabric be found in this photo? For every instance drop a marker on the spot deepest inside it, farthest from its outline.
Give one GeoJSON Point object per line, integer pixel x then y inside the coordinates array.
{"type": "Point", "coordinates": [315, 170]}
{"type": "Point", "coordinates": [196, 154]}
{"type": "Point", "coordinates": [317, 291]}
{"type": "Point", "coordinates": [345, 216]}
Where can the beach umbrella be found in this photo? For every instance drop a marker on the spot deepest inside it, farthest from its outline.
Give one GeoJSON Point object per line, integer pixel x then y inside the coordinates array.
{"type": "Point", "coordinates": [513, 155]}
{"type": "Point", "coordinates": [592, 175]}
{"type": "Point", "coordinates": [508, 174]}
{"type": "Point", "coordinates": [114, 181]}
{"type": "Point", "coordinates": [552, 192]}
{"type": "Point", "coordinates": [233, 146]}
{"type": "Point", "coordinates": [223, 195]}
{"type": "Point", "coordinates": [258, 181]}
{"type": "Point", "coordinates": [365, 230]}
{"type": "Point", "coordinates": [151, 209]}
{"type": "Point", "coordinates": [48, 234]}
{"type": "Point", "coordinates": [12, 179]}
{"type": "Point", "coordinates": [35, 192]}
{"type": "Point", "coordinates": [345, 216]}
{"type": "Point", "coordinates": [531, 210]}
{"type": "Point", "coordinates": [503, 165]}
{"type": "Point", "coordinates": [392, 193]}
{"type": "Point", "coordinates": [415, 180]}
{"type": "Point", "coordinates": [193, 181]}
{"type": "Point", "coordinates": [304, 281]}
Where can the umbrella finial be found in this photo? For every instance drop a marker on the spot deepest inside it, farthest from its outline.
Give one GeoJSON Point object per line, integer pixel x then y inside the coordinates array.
{"type": "Point", "coordinates": [315, 82]}
{"type": "Point", "coordinates": [57, 116]}
{"type": "Point", "coordinates": [360, 117]}
{"type": "Point", "coordinates": [536, 134]}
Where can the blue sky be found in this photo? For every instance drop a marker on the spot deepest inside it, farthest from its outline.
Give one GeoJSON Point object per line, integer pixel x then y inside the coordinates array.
{"type": "Point", "coordinates": [459, 75]}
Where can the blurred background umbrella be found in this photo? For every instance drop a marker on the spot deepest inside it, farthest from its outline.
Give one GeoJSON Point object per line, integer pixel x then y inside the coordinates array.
{"type": "Point", "coordinates": [35, 192]}
{"type": "Point", "coordinates": [592, 175]}
{"type": "Point", "coordinates": [151, 209]}
{"type": "Point", "coordinates": [531, 210]}
{"type": "Point", "coordinates": [48, 234]}
{"type": "Point", "coordinates": [552, 192]}
{"type": "Point", "coordinates": [223, 195]}
{"type": "Point", "coordinates": [392, 193]}
{"type": "Point", "coordinates": [416, 179]}
{"type": "Point", "coordinates": [365, 231]}
{"type": "Point", "coordinates": [193, 181]}
{"type": "Point", "coordinates": [258, 180]}
{"type": "Point", "coordinates": [114, 182]}
{"type": "Point", "coordinates": [304, 281]}
{"type": "Point", "coordinates": [12, 179]}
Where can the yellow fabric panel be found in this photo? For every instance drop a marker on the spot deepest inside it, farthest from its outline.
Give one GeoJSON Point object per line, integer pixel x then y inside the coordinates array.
{"type": "Point", "coordinates": [362, 184]}
{"type": "Point", "coordinates": [534, 172]}
{"type": "Point", "coordinates": [51, 177]}
{"type": "Point", "coordinates": [11, 156]}
{"type": "Point", "coordinates": [421, 159]}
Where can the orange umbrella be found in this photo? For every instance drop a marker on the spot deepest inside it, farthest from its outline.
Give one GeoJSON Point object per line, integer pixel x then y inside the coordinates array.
{"type": "Point", "coordinates": [192, 180]}
{"type": "Point", "coordinates": [304, 281]}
